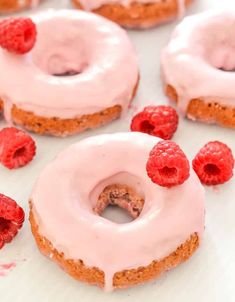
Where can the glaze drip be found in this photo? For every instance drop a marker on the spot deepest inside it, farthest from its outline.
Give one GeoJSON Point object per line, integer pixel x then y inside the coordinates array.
{"type": "Point", "coordinates": [69, 201]}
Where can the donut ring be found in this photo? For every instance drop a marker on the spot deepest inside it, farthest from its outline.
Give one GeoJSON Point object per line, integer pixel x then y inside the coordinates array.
{"type": "Point", "coordinates": [80, 80]}
{"type": "Point", "coordinates": [203, 50]}
{"type": "Point", "coordinates": [137, 14]}
{"type": "Point", "coordinates": [65, 221]}
{"type": "Point", "coordinates": [9, 6]}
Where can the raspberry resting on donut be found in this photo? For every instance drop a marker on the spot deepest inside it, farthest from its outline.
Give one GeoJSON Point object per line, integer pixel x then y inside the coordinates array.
{"type": "Point", "coordinates": [63, 84]}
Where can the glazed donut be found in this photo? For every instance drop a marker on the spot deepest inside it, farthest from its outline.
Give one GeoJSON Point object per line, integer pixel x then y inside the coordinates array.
{"type": "Point", "coordinates": [136, 13]}
{"type": "Point", "coordinates": [202, 48]}
{"type": "Point", "coordinates": [111, 169]}
{"type": "Point", "coordinates": [81, 74]}
{"type": "Point", "coordinates": [8, 6]}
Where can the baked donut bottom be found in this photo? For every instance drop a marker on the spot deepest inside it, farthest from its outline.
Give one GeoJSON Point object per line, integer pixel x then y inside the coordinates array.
{"type": "Point", "coordinates": [212, 111]}
{"type": "Point", "coordinates": [126, 198]}
{"type": "Point", "coordinates": [9, 6]}
{"type": "Point", "coordinates": [64, 127]}
{"type": "Point", "coordinates": [138, 15]}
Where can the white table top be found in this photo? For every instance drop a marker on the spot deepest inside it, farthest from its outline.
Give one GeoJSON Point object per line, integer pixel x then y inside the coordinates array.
{"type": "Point", "coordinates": [207, 277]}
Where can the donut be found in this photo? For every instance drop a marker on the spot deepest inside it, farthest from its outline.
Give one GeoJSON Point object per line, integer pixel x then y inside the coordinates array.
{"type": "Point", "coordinates": [110, 169]}
{"type": "Point", "coordinates": [136, 13]}
{"type": "Point", "coordinates": [81, 74]}
{"type": "Point", "coordinates": [8, 6]}
{"type": "Point", "coordinates": [202, 49]}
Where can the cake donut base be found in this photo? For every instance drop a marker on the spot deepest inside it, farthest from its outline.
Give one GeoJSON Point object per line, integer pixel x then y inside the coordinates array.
{"type": "Point", "coordinates": [206, 111]}
{"type": "Point", "coordinates": [138, 15]}
{"type": "Point", "coordinates": [9, 6]}
{"type": "Point", "coordinates": [64, 127]}
{"type": "Point", "coordinates": [94, 276]}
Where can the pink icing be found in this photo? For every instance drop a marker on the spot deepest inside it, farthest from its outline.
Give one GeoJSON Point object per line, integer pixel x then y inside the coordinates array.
{"type": "Point", "coordinates": [34, 3]}
{"type": "Point", "coordinates": [199, 48]}
{"type": "Point", "coordinates": [63, 205]}
{"type": "Point", "coordinates": [70, 40]}
{"type": "Point", "coordinates": [93, 4]}
{"type": "Point", "coordinates": [5, 268]}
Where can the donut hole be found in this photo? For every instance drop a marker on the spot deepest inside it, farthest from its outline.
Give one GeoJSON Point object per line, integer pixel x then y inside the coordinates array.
{"type": "Point", "coordinates": [116, 214]}
{"type": "Point", "coordinates": [61, 55]}
{"type": "Point", "coordinates": [63, 64]}
{"type": "Point", "coordinates": [223, 57]}
{"type": "Point", "coordinates": [217, 40]}
{"type": "Point", "coordinates": [211, 169]}
{"type": "Point", "coordinates": [119, 203]}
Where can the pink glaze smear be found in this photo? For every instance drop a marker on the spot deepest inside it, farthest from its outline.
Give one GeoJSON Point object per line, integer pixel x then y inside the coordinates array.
{"type": "Point", "coordinates": [6, 268]}
{"type": "Point", "coordinates": [98, 50]}
{"type": "Point", "coordinates": [63, 206]}
{"type": "Point", "coordinates": [202, 48]}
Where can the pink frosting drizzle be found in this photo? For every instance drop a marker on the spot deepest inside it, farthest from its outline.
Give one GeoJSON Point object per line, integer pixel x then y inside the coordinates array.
{"type": "Point", "coordinates": [202, 48]}
{"type": "Point", "coordinates": [99, 50]}
{"type": "Point", "coordinates": [63, 205]}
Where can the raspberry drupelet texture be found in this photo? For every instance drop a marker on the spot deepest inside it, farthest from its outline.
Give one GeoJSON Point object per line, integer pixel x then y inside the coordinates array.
{"type": "Point", "coordinates": [214, 163]}
{"type": "Point", "coordinates": [167, 165]}
{"type": "Point", "coordinates": [17, 35]}
{"type": "Point", "coordinates": [11, 219]}
{"type": "Point", "coordinates": [161, 121]}
{"type": "Point", "coordinates": [17, 148]}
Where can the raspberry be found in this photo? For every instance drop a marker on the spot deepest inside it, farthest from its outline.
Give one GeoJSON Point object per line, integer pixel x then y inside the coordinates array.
{"type": "Point", "coordinates": [161, 121]}
{"type": "Point", "coordinates": [17, 148]}
{"type": "Point", "coordinates": [17, 35]}
{"type": "Point", "coordinates": [11, 219]}
{"type": "Point", "coordinates": [214, 163]}
{"type": "Point", "coordinates": [167, 165]}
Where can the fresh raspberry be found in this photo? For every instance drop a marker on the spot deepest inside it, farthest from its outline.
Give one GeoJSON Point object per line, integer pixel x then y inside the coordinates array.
{"type": "Point", "coordinates": [161, 121]}
{"type": "Point", "coordinates": [17, 35]}
{"type": "Point", "coordinates": [17, 148]}
{"type": "Point", "coordinates": [214, 163]}
{"type": "Point", "coordinates": [11, 219]}
{"type": "Point", "coordinates": [167, 165]}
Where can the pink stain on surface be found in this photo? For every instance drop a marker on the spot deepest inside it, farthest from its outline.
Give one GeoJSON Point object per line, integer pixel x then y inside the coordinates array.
{"type": "Point", "coordinates": [6, 268]}
{"type": "Point", "coordinates": [216, 189]}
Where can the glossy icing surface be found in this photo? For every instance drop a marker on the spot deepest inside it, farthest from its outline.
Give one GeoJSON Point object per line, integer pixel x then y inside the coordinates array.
{"type": "Point", "coordinates": [69, 41]}
{"type": "Point", "coordinates": [63, 205]}
{"type": "Point", "coordinates": [202, 48]}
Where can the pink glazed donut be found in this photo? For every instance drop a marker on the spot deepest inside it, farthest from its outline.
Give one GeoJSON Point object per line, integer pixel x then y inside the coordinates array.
{"type": "Point", "coordinates": [198, 67]}
{"type": "Point", "coordinates": [111, 169]}
{"type": "Point", "coordinates": [81, 74]}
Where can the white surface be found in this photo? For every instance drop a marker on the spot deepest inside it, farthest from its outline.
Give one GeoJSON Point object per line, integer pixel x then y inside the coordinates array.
{"type": "Point", "coordinates": [207, 277]}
